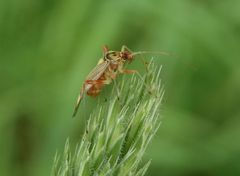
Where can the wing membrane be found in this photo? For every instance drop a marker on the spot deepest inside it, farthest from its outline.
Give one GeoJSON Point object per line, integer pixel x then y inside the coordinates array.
{"type": "Point", "coordinates": [98, 71]}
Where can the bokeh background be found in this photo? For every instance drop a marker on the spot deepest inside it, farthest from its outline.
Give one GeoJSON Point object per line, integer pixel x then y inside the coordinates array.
{"type": "Point", "coordinates": [48, 47]}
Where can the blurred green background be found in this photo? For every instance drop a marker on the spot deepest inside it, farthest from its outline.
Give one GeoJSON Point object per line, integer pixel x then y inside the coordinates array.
{"type": "Point", "coordinates": [48, 47]}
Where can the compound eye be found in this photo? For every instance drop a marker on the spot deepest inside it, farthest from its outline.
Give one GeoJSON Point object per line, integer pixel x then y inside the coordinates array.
{"type": "Point", "coordinates": [124, 55]}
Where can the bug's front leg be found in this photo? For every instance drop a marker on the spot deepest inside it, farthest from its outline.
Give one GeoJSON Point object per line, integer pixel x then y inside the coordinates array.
{"type": "Point", "coordinates": [125, 48]}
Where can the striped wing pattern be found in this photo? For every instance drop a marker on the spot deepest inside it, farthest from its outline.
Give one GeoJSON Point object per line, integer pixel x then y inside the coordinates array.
{"type": "Point", "coordinates": [98, 71]}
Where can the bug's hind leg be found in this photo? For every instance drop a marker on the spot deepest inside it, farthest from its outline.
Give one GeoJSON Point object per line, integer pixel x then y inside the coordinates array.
{"type": "Point", "coordinates": [145, 63]}
{"type": "Point", "coordinates": [97, 82]}
{"type": "Point", "coordinates": [126, 71]}
{"type": "Point", "coordinates": [96, 86]}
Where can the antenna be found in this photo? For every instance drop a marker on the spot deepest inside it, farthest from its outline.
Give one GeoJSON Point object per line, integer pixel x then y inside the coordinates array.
{"type": "Point", "coordinates": [149, 52]}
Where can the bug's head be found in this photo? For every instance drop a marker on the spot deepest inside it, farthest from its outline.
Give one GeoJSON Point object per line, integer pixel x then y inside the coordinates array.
{"type": "Point", "coordinates": [126, 55]}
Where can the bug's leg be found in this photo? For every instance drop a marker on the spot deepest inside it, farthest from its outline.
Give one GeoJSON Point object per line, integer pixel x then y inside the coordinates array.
{"type": "Point", "coordinates": [79, 99]}
{"type": "Point", "coordinates": [117, 88]}
{"type": "Point", "coordinates": [105, 49]}
{"type": "Point", "coordinates": [96, 86]}
{"type": "Point", "coordinates": [126, 71]}
{"type": "Point", "coordinates": [140, 77]}
{"type": "Point", "coordinates": [97, 82]}
{"type": "Point", "coordinates": [125, 48]}
{"type": "Point", "coordinates": [145, 63]}
{"type": "Point", "coordinates": [113, 75]}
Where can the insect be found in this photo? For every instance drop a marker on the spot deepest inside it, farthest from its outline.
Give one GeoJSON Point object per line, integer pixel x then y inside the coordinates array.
{"type": "Point", "coordinates": [108, 67]}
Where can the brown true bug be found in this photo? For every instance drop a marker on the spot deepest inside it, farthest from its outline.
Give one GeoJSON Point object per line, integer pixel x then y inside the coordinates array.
{"type": "Point", "coordinates": [106, 71]}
